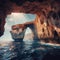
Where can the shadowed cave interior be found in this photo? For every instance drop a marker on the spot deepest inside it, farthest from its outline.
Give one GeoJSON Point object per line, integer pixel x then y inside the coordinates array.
{"type": "Point", "coordinates": [44, 9]}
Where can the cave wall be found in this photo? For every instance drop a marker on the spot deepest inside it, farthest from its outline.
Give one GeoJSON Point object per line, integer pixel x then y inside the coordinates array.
{"type": "Point", "coordinates": [38, 7]}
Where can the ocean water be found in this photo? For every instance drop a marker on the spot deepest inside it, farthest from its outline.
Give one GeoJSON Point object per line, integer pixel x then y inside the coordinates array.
{"type": "Point", "coordinates": [28, 50]}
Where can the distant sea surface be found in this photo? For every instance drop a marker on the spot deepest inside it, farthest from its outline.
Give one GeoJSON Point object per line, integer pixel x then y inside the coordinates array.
{"type": "Point", "coordinates": [28, 50]}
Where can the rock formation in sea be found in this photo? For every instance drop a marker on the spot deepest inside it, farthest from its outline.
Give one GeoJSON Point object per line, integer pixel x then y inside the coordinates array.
{"type": "Point", "coordinates": [47, 13]}
{"type": "Point", "coordinates": [42, 27]}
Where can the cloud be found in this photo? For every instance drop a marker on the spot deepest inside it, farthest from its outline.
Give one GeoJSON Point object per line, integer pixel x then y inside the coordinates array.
{"type": "Point", "coordinates": [11, 20]}
{"type": "Point", "coordinates": [19, 18]}
{"type": "Point", "coordinates": [7, 26]}
{"type": "Point", "coordinates": [28, 30]}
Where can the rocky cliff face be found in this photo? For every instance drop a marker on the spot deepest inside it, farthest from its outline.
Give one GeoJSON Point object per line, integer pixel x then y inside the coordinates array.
{"type": "Point", "coordinates": [47, 27]}
{"type": "Point", "coordinates": [43, 27]}
{"type": "Point", "coordinates": [44, 9]}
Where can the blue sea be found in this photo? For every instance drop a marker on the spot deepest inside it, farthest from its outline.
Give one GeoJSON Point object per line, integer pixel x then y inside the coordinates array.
{"type": "Point", "coordinates": [28, 50]}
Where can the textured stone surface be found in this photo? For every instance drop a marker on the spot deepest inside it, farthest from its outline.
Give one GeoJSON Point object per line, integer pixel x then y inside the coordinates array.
{"type": "Point", "coordinates": [39, 7]}
{"type": "Point", "coordinates": [42, 28]}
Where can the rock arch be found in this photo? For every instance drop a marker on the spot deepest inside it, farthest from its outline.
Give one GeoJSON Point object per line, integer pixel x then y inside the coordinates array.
{"type": "Point", "coordinates": [23, 27]}
{"type": "Point", "coordinates": [33, 28]}
{"type": "Point", "coordinates": [28, 6]}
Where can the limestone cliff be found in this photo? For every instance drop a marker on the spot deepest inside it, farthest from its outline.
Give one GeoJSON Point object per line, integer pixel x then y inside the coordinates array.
{"type": "Point", "coordinates": [46, 27]}
{"type": "Point", "coordinates": [42, 27]}
{"type": "Point", "coordinates": [39, 7]}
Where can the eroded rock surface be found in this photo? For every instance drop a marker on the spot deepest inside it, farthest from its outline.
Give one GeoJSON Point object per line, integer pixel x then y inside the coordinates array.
{"type": "Point", "coordinates": [43, 8]}
{"type": "Point", "coordinates": [42, 28]}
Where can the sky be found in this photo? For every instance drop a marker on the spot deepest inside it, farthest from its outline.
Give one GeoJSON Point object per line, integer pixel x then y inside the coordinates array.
{"type": "Point", "coordinates": [15, 18]}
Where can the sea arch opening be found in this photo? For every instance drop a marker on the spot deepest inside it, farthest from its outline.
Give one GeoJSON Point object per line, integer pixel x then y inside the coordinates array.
{"type": "Point", "coordinates": [28, 34]}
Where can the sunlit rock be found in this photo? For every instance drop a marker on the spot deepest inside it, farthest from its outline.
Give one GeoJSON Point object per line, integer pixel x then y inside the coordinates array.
{"type": "Point", "coordinates": [17, 32]}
